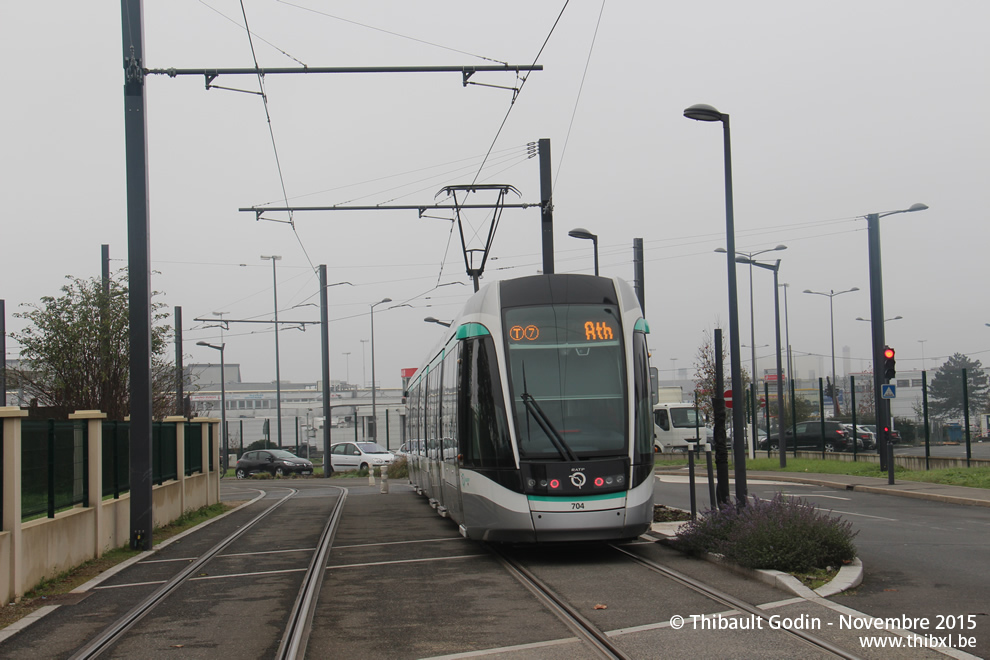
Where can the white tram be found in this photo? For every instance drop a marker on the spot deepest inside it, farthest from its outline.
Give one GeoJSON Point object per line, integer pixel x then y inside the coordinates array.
{"type": "Point", "coordinates": [532, 420]}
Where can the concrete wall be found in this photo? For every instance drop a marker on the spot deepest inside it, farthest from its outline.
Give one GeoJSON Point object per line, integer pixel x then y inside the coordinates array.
{"type": "Point", "coordinates": [39, 549]}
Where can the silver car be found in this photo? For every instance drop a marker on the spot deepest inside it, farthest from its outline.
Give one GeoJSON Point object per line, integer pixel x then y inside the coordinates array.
{"type": "Point", "coordinates": [359, 455]}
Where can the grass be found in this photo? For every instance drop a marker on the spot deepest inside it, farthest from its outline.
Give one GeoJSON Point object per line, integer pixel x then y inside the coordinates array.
{"type": "Point", "coordinates": [55, 590]}
{"type": "Point", "coordinates": [977, 477]}
{"type": "Point", "coordinates": [971, 477]}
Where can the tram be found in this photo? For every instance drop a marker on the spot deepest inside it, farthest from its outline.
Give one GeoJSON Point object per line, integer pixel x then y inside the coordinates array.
{"type": "Point", "coordinates": [531, 421]}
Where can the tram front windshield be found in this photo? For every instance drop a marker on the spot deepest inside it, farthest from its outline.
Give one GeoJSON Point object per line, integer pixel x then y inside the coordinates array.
{"type": "Point", "coordinates": [567, 375]}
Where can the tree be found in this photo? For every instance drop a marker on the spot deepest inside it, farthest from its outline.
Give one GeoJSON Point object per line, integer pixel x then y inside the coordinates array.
{"type": "Point", "coordinates": [76, 350]}
{"type": "Point", "coordinates": [945, 395]}
{"type": "Point", "coordinates": [704, 374]}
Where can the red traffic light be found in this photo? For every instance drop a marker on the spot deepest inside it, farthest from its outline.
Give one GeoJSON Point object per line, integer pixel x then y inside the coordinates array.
{"type": "Point", "coordinates": [888, 353]}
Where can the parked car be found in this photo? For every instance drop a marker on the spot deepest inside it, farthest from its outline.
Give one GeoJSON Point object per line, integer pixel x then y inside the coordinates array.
{"type": "Point", "coordinates": [895, 436]}
{"type": "Point", "coordinates": [276, 462]}
{"type": "Point", "coordinates": [808, 437]}
{"type": "Point", "coordinates": [359, 455]}
{"type": "Point", "coordinates": [865, 437]}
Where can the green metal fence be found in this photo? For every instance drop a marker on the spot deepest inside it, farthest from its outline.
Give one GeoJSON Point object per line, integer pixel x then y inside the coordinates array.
{"type": "Point", "coordinates": [164, 452]}
{"type": "Point", "coordinates": [54, 466]}
{"type": "Point", "coordinates": [116, 458]}
{"type": "Point", "coordinates": [194, 448]}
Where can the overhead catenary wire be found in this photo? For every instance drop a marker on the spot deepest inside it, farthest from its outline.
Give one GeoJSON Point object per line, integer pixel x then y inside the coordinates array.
{"type": "Point", "coordinates": [577, 101]}
{"type": "Point", "coordinates": [516, 94]}
{"type": "Point", "coordinates": [271, 132]}
{"type": "Point", "coordinates": [394, 34]}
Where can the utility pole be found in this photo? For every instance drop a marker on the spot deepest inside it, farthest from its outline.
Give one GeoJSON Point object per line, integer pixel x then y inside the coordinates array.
{"type": "Point", "coordinates": [179, 408]}
{"type": "Point", "coordinates": [546, 206]}
{"type": "Point", "coordinates": [639, 279]}
{"type": "Point", "coordinates": [3, 352]}
{"type": "Point", "coordinates": [325, 344]}
{"type": "Point", "coordinates": [138, 272]}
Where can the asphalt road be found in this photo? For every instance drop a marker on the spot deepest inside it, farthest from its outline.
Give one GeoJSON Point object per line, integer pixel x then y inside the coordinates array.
{"type": "Point", "coordinates": [921, 558]}
{"type": "Point", "coordinates": [977, 450]}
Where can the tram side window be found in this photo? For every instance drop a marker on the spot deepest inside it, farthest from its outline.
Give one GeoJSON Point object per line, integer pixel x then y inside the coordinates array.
{"type": "Point", "coordinates": [433, 412]}
{"type": "Point", "coordinates": [643, 421]}
{"type": "Point", "coordinates": [415, 414]}
{"type": "Point", "coordinates": [450, 404]}
{"type": "Point", "coordinates": [484, 436]}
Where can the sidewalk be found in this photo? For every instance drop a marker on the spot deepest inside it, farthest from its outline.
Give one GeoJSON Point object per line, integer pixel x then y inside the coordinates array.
{"type": "Point", "coordinates": [917, 489]}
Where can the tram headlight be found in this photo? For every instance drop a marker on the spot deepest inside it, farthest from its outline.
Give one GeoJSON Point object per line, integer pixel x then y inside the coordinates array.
{"type": "Point", "coordinates": [531, 483]}
{"type": "Point", "coordinates": [543, 483]}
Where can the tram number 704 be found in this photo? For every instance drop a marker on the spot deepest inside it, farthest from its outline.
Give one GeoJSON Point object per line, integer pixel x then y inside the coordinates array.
{"type": "Point", "coordinates": [577, 505]}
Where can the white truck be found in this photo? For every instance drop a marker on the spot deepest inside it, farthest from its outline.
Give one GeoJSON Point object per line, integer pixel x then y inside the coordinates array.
{"type": "Point", "coordinates": [675, 424]}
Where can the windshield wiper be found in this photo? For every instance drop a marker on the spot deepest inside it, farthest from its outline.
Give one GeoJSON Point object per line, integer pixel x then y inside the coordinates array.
{"type": "Point", "coordinates": [534, 409]}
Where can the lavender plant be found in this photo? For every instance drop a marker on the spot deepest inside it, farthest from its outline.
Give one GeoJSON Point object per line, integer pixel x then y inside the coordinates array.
{"type": "Point", "coordinates": [780, 534]}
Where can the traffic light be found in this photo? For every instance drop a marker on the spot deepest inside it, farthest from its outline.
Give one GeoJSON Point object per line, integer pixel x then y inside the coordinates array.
{"type": "Point", "coordinates": [888, 363]}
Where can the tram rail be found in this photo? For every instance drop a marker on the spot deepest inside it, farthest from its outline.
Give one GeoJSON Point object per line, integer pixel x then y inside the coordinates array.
{"type": "Point", "coordinates": [300, 617]}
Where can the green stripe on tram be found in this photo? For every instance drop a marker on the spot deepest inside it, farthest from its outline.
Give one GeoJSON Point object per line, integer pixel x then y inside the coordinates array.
{"type": "Point", "coordinates": [582, 498]}
{"type": "Point", "coordinates": [469, 330]}
{"type": "Point", "coordinates": [642, 326]}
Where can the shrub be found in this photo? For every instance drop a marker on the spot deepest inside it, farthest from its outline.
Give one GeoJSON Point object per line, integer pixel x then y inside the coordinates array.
{"type": "Point", "coordinates": [399, 469]}
{"type": "Point", "coordinates": [780, 534]}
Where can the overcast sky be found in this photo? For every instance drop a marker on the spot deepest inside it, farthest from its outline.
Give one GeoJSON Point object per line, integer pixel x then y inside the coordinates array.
{"type": "Point", "coordinates": [838, 109]}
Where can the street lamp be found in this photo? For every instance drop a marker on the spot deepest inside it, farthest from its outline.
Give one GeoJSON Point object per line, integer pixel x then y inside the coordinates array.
{"type": "Point", "coordinates": [876, 313]}
{"type": "Point", "coordinates": [223, 399]}
{"type": "Point", "coordinates": [430, 319]}
{"type": "Point", "coordinates": [278, 379]}
{"type": "Point", "coordinates": [579, 232]}
{"type": "Point", "coordinates": [374, 407]}
{"type": "Point", "coordinates": [893, 318]}
{"type": "Point", "coordinates": [747, 258]}
{"type": "Point", "coordinates": [781, 439]}
{"type": "Point", "coordinates": [704, 112]}
{"type": "Point", "coordinates": [831, 319]}
{"type": "Point", "coordinates": [364, 365]}
{"type": "Point", "coordinates": [922, 342]}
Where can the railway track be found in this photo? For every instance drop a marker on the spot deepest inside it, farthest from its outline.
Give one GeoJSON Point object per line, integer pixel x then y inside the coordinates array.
{"type": "Point", "coordinates": [606, 646]}
{"type": "Point", "coordinates": [299, 619]}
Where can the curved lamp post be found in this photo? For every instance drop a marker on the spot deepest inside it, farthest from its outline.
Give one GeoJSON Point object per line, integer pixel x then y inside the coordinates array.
{"type": "Point", "coordinates": [876, 314]}
{"type": "Point", "coordinates": [430, 319]}
{"type": "Point", "coordinates": [831, 322]}
{"type": "Point", "coordinates": [705, 112]}
{"type": "Point", "coordinates": [223, 399]}
{"type": "Point", "coordinates": [747, 258]}
{"type": "Point", "coordinates": [781, 438]}
{"type": "Point", "coordinates": [374, 407]}
{"type": "Point", "coordinates": [580, 232]}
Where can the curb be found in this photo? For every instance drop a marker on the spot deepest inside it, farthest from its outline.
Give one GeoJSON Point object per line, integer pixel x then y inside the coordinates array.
{"type": "Point", "coordinates": [849, 576]}
{"type": "Point", "coordinates": [884, 490]}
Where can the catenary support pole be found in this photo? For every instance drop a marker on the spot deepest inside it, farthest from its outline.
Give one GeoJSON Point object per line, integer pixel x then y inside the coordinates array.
{"type": "Point", "coordinates": [546, 206]}
{"type": "Point", "coordinates": [138, 272]}
{"type": "Point", "coordinates": [179, 380]}
{"type": "Point", "coordinates": [639, 279]}
{"type": "Point", "coordinates": [325, 368]}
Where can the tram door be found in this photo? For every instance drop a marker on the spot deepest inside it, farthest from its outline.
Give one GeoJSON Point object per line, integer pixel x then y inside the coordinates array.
{"type": "Point", "coordinates": [448, 433]}
{"type": "Point", "coordinates": [434, 450]}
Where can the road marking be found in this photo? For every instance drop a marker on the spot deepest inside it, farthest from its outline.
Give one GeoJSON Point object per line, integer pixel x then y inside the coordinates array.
{"type": "Point", "coordinates": [371, 545]}
{"type": "Point", "coordinates": [405, 561]}
{"type": "Point", "coordinates": [205, 577]}
{"type": "Point", "coordinates": [504, 649]}
{"type": "Point", "coordinates": [831, 497]}
{"type": "Point", "coordinates": [863, 515]}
